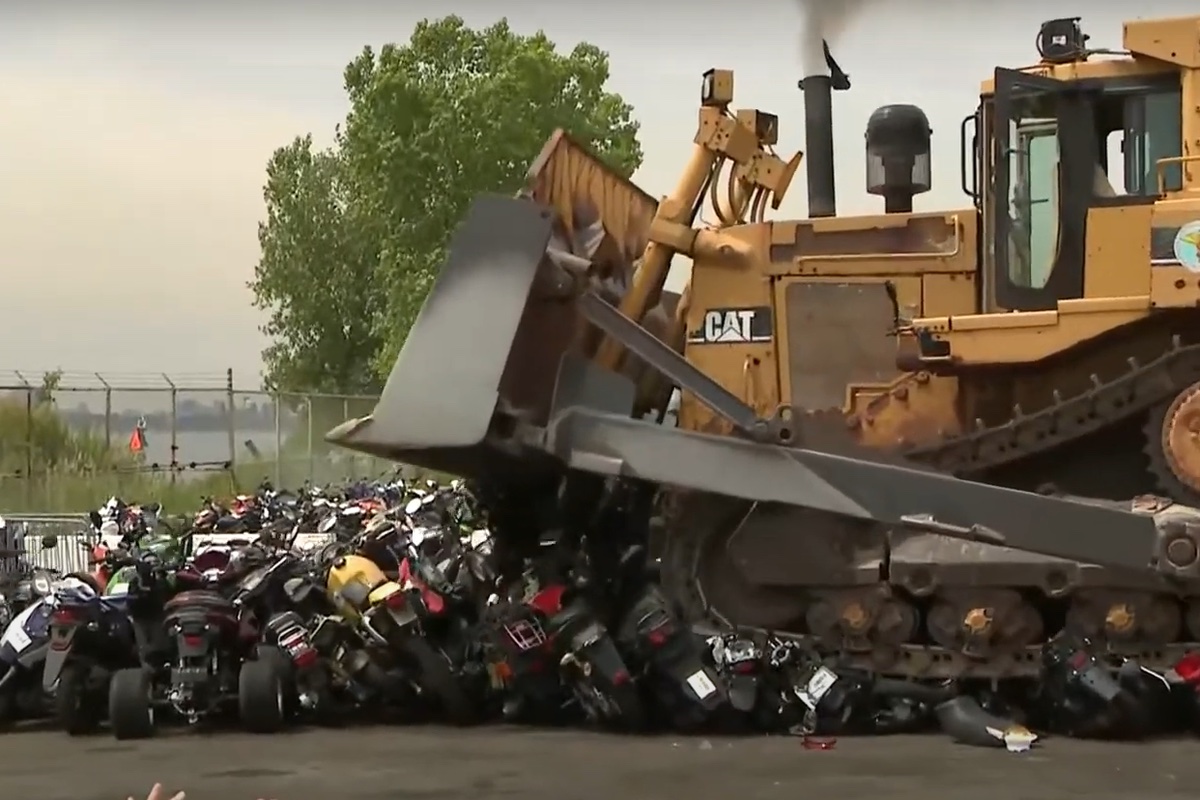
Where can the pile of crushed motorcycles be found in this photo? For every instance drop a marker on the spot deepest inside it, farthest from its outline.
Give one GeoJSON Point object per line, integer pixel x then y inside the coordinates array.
{"type": "Point", "coordinates": [408, 609]}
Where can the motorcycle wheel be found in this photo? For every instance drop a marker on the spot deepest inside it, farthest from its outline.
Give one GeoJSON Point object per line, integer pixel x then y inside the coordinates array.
{"type": "Point", "coordinates": [74, 708]}
{"type": "Point", "coordinates": [291, 689]}
{"type": "Point", "coordinates": [261, 702]}
{"type": "Point", "coordinates": [8, 707]}
{"type": "Point", "coordinates": [630, 711]}
{"type": "Point", "coordinates": [435, 676]}
{"type": "Point", "coordinates": [130, 710]}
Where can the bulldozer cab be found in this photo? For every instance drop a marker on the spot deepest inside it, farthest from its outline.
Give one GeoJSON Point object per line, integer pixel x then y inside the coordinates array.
{"type": "Point", "coordinates": [1053, 151]}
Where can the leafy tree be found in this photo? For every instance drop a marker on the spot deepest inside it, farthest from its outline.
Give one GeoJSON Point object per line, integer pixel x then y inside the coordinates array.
{"type": "Point", "coordinates": [315, 275]}
{"type": "Point", "coordinates": [451, 114]}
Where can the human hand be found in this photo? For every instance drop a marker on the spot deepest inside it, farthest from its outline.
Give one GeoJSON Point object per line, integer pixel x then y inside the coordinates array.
{"type": "Point", "coordinates": [157, 792]}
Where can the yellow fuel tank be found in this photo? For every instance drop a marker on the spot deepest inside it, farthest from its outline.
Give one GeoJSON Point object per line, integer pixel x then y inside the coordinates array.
{"type": "Point", "coordinates": [351, 582]}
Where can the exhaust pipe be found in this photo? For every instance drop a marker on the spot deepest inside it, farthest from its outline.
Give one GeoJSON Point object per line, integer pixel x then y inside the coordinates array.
{"type": "Point", "coordinates": [818, 135]}
{"type": "Point", "coordinates": [818, 144]}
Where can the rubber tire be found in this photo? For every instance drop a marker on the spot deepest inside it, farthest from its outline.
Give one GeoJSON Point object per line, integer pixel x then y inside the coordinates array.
{"type": "Point", "coordinates": [629, 705]}
{"type": "Point", "coordinates": [74, 709]}
{"type": "Point", "coordinates": [291, 691]}
{"type": "Point", "coordinates": [130, 712]}
{"type": "Point", "coordinates": [436, 677]}
{"type": "Point", "coordinates": [261, 703]}
{"type": "Point", "coordinates": [8, 708]}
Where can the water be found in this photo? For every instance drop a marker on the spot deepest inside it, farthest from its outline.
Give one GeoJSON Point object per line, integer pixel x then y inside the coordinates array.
{"type": "Point", "coordinates": [204, 446]}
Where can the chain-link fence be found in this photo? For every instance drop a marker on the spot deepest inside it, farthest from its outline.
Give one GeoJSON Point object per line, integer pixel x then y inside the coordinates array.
{"type": "Point", "coordinates": [69, 440]}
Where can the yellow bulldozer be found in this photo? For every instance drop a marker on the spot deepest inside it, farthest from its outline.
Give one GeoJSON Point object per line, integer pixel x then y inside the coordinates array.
{"type": "Point", "coordinates": [870, 408]}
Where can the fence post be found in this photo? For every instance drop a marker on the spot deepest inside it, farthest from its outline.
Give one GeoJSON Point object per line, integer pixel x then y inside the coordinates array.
{"type": "Point", "coordinates": [107, 412]}
{"type": "Point", "coordinates": [309, 403]}
{"type": "Point", "coordinates": [278, 441]}
{"type": "Point", "coordinates": [232, 425]}
{"type": "Point", "coordinates": [29, 437]}
{"type": "Point", "coordinates": [174, 427]}
{"type": "Point", "coordinates": [352, 461]}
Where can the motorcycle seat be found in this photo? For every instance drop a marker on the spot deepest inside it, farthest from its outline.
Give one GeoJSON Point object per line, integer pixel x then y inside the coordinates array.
{"type": "Point", "coordinates": [199, 598]}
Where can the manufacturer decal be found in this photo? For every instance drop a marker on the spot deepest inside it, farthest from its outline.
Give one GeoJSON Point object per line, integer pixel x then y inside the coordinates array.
{"type": "Point", "coordinates": [734, 326]}
{"type": "Point", "coordinates": [1187, 246]}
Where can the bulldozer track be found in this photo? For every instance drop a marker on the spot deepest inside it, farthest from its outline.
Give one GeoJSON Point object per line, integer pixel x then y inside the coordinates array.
{"type": "Point", "coordinates": [1139, 390]}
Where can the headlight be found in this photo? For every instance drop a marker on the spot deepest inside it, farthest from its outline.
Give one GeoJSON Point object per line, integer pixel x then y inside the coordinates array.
{"type": "Point", "coordinates": [41, 585]}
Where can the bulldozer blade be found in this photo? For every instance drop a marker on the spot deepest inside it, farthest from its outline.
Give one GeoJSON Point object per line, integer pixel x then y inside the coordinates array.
{"type": "Point", "coordinates": [483, 356]}
{"type": "Point", "coordinates": [440, 398]}
{"type": "Point", "coordinates": [866, 490]}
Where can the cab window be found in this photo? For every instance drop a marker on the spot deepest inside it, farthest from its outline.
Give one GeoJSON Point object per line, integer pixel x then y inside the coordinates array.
{"type": "Point", "coordinates": [1032, 202]}
{"type": "Point", "coordinates": [1154, 130]}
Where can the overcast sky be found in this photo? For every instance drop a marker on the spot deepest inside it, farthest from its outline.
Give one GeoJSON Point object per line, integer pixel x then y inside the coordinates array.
{"type": "Point", "coordinates": [133, 135]}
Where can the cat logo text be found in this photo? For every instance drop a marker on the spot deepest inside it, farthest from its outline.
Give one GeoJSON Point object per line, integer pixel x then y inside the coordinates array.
{"type": "Point", "coordinates": [733, 326]}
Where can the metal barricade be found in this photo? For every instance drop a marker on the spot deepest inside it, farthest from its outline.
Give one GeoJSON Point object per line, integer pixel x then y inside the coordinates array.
{"type": "Point", "coordinates": [26, 532]}
{"type": "Point", "coordinates": [70, 554]}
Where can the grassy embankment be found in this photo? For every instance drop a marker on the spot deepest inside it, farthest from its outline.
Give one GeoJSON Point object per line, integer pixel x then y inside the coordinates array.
{"type": "Point", "coordinates": [46, 466]}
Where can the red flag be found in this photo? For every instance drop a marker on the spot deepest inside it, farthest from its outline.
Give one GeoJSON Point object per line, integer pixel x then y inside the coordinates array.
{"type": "Point", "coordinates": [137, 439]}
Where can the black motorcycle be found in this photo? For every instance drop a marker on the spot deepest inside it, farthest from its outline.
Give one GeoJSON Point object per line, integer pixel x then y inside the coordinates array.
{"type": "Point", "coordinates": [671, 664]}
{"type": "Point", "coordinates": [91, 637]}
{"type": "Point", "coordinates": [591, 666]}
{"type": "Point", "coordinates": [278, 593]}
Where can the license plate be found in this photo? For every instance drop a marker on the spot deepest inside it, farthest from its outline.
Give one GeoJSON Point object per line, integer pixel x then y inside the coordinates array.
{"type": "Point", "coordinates": [817, 687]}
{"type": "Point", "coordinates": [701, 684]}
{"type": "Point", "coordinates": [189, 675]}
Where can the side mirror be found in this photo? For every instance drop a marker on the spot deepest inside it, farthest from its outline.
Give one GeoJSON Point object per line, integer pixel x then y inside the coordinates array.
{"type": "Point", "coordinates": [49, 541]}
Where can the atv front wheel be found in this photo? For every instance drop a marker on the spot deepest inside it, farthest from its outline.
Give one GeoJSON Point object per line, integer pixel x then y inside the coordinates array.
{"type": "Point", "coordinates": [130, 705]}
{"type": "Point", "coordinates": [261, 702]}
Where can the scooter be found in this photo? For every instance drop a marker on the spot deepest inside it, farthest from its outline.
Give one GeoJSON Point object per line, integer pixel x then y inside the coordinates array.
{"type": "Point", "coordinates": [23, 649]}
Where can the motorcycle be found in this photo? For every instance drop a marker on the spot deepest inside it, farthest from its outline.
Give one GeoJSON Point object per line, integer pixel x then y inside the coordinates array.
{"type": "Point", "coordinates": [590, 665]}
{"type": "Point", "coordinates": [91, 637]}
{"type": "Point", "coordinates": [368, 599]}
{"type": "Point", "coordinates": [672, 663]}
{"type": "Point", "coordinates": [267, 593]}
{"type": "Point", "coordinates": [442, 592]}
{"type": "Point", "coordinates": [23, 649]}
{"type": "Point", "coordinates": [752, 692]}
{"type": "Point", "coordinates": [521, 661]}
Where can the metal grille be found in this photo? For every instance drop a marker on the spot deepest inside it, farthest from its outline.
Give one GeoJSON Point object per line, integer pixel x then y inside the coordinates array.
{"type": "Point", "coordinates": [838, 334]}
{"type": "Point", "coordinates": [525, 634]}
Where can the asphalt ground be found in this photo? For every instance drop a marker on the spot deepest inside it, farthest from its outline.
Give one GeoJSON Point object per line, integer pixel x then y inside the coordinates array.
{"type": "Point", "coordinates": [433, 763]}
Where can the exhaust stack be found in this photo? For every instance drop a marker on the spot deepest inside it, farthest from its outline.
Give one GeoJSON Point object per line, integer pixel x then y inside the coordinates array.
{"type": "Point", "coordinates": [818, 135]}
